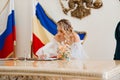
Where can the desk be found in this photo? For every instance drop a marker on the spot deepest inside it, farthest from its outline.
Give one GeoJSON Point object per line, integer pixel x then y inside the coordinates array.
{"type": "Point", "coordinates": [82, 70]}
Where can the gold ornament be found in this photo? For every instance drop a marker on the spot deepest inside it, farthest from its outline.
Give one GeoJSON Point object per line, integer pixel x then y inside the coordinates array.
{"type": "Point", "coordinates": [81, 8]}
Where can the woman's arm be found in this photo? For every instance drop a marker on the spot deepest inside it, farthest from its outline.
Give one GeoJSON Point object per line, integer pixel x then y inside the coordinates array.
{"type": "Point", "coordinates": [49, 50]}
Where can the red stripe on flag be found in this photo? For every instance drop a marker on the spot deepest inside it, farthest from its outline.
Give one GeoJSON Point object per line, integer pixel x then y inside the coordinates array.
{"type": "Point", "coordinates": [37, 44]}
{"type": "Point", "coordinates": [8, 46]}
{"type": "Point", "coordinates": [14, 33]}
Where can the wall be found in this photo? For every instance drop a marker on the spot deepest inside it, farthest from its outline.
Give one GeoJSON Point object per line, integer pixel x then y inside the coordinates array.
{"type": "Point", "coordinates": [100, 26]}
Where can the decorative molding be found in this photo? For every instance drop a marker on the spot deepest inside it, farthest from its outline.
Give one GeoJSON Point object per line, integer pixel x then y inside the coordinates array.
{"type": "Point", "coordinates": [80, 8]}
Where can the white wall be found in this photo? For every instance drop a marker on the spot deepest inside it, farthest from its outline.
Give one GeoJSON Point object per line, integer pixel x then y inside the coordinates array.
{"type": "Point", "coordinates": [100, 26]}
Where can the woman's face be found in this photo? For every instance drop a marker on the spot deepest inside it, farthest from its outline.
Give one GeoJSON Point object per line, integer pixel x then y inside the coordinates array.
{"type": "Point", "coordinates": [61, 31]}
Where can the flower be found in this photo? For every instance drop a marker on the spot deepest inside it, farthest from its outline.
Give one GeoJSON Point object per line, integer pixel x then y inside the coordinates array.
{"type": "Point", "coordinates": [64, 51]}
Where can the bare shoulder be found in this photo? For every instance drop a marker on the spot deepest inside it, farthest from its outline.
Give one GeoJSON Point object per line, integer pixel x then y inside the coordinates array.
{"type": "Point", "coordinates": [77, 38]}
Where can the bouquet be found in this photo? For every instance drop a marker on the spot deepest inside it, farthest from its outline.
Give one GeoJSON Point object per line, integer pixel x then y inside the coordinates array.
{"type": "Point", "coordinates": [64, 51]}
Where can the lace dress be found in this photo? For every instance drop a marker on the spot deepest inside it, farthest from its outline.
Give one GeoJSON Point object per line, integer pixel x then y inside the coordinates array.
{"type": "Point", "coordinates": [50, 49]}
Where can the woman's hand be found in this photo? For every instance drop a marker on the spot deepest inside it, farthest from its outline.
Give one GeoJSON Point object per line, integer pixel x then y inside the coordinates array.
{"type": "Point", "coordinates": [42, 56]}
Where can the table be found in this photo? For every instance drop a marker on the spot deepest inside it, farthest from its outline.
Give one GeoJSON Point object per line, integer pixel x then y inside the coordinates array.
{"type": "Point", "coordinates": [73, 69]}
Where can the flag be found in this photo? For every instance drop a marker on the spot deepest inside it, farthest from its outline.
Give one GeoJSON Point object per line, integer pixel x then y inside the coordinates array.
{"type": "Point", "coordinates": [7, 30]}
{"type": "Point", "coordinates": [44, 28]}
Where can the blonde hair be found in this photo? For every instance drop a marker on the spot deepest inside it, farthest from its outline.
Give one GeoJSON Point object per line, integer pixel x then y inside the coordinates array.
{"type": "Point", "coordinates": [65, 24]}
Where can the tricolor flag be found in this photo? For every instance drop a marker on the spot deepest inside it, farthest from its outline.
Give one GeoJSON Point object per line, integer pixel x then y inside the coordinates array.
{"type": "Point", "coordinates": [7, 29]}
{"type": "Point", "coordinates": [44, 28]}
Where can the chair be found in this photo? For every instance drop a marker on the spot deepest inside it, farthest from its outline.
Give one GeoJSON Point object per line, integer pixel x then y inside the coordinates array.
{"type": "Point", "coordinates": [82, 35]}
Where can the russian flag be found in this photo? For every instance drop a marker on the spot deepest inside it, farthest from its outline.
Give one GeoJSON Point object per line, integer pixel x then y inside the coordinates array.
{"type": "Point", "coordinates": [7, 30]}
{"type": "Point", "coordinates": [44, 28]}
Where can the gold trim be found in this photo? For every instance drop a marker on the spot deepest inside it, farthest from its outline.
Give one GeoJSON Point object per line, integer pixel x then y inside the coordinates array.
{"type": "Point", "coordinates": [65, 10]}
{"type": "Point", "coordinates": [4, 7]}
{"type": "Point", "coordinates": [11, 55]}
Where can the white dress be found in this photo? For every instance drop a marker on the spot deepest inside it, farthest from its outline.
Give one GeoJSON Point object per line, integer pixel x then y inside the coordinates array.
{"type": "Point", "coordinates": [50, 49]}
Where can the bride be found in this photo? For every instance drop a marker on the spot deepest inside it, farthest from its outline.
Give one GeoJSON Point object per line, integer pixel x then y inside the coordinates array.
{"type": "Point", "coordinates": [65, 36]}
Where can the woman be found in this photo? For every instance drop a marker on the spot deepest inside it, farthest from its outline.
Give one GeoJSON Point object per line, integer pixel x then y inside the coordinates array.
{"type": "Point", "coordinates": [65, 36]}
